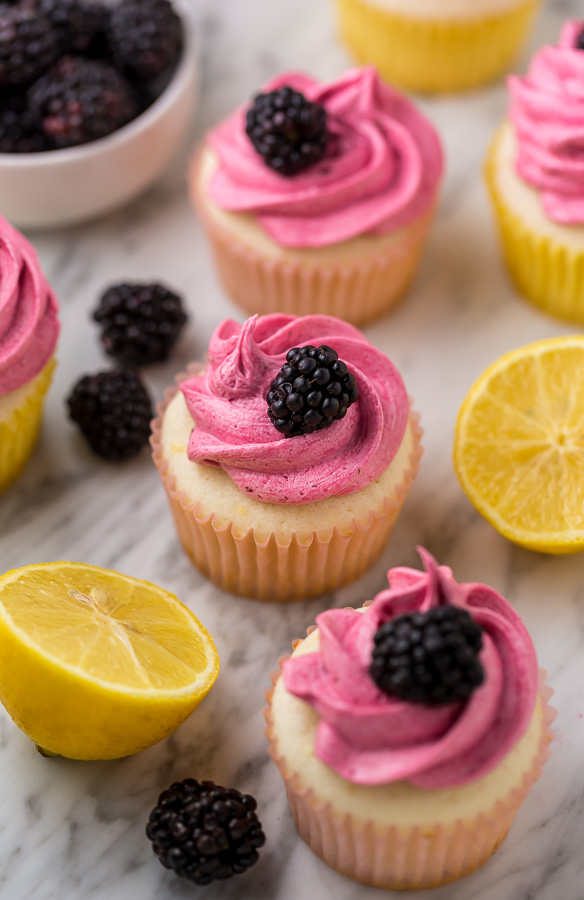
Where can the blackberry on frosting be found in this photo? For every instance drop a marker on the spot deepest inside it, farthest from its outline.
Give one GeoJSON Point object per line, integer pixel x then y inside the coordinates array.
{"type": "Point", "coordinates": [429, 657]}
{"type": "Point", "coordinates": [580, 39]}
{"type": "Point", "coordinates": [287, 130]}
{"type": "Point", "coordinates": [312, 389]}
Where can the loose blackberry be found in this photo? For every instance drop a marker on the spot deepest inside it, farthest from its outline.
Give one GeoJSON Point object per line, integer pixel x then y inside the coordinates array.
{"type": "Point", "coordinates": [28, 45]}
{"type": "Point", "coordinates": [113, 410]}
{"type": "Point", "coordinates": [430, 658]}
{"type": "Point", "coordinates": [18, 133]}
{"type": "Point", "coordinates": [140, 322]}
{"type": "Point", "coordinates": [80, 100]}
{"type": "Point", "coordinates": [80, 26]}
{"type": "Point", "coordinates": [287, 130]}
{"type": "Point", "coordinates": [312, 389]}
{"type": "Point", "coordinates": [205, 832]}
{"type": "Point", "coordinates": [146, 37]}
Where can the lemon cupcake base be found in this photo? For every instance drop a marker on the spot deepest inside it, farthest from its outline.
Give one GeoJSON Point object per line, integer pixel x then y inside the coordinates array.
{"type": "Point", "coordinates": [271, 551]}
{"type": "Point", "coordinates": [397, 835]}
{"type": "Point", "coordinates": [20, 422]}
{"type": "Point", "coordinates": [435, 55]}
{"type": "Point", "coordinates": [546, 260]}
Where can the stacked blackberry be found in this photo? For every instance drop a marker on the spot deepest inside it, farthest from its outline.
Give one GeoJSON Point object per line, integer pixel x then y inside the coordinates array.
{"type": "Point", "coordinates": [73, 71]}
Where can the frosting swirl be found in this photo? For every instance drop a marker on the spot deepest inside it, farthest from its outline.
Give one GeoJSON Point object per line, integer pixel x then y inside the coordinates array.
{"type": "Point", "coordinates": [28, 312]}
{"type": "Point", "coordinates": [380, 171]}
{"type": "Point", "coordinates": [369, 737]}
{"type": "Point", "coordinates": [547, 112]}
{"type": "Point", "coordinates": [232, 429]}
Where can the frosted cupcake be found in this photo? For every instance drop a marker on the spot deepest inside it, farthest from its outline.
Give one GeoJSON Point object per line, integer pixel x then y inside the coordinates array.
{"type": "Point", "coordinates": [409, 732]}
{"type": "Point", "coordinates": [437, 45]}
{"type": "Point", "coordinates": [287, 501]}
{"type": "Point", "coordinates": [535, 172]}
{"type": "Point", "coordinates": [317, 198]}
{"type": "Point", "coordinates": [28, 337]}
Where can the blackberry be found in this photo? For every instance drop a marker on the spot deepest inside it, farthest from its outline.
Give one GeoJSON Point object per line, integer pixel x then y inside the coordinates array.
{"type": "Point", "coordinates": [113, 410]}
{"type": "Point", "coordinates": [18, 133]}
{"type": "Point", "coordinates": [580, 39]}
{"type": "Point", "coordinates": [28, 45]}
{"type": "Point", "coordinates": [80, 100]}
{"type": "Point", "coordinates": [430, 658]}
{"type": "Point", "coordinates": [312, 389]}
{"type": "Point", "coordinates": [205, 832]}
{"type": "Point", "coordinates": [80, 26]}
{"type": "Point", "coordinates": [140, 322]}
{"type": "Point", "coordinates": [287, 130]}
{"type": "Point", "coordinates": [146, 37]}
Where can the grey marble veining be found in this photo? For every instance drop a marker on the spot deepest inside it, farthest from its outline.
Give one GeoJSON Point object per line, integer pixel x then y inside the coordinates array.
{"type": "Point", "coordinates": [74, 831]}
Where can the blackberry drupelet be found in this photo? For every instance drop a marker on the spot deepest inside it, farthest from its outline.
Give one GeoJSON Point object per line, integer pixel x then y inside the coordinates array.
{"type": "Point", "coordinates": [18, 133]}
{"type": "Point", "coordinates": [146, 37]}
{"type": "Point", "coordinates": [80, 25]}
{"type": "Point", "coordinates": [140, 322]}
{"type": "Point", "coordinates": [205, 832]}
{"type": "Point", "coordinates": [430, 658]}
{"type": "Point", "coordinates": [287, 130]}
{"type": "Point", "coordinates": [28, 45]}
{"type": "Point", "coordinates": [80, 100]}
{"type": "Point", "coordinates": [310, 391]}
{"type": "Point", "coordinates": [113, 410]}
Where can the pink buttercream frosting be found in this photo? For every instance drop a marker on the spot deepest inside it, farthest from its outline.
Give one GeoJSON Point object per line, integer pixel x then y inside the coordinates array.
{"type": "Point", "coordinates": [28, 312]}
{"type": "Point", "coordinates": [380, 171]}
{"type": "Point", "coordinates": [232, 429]}
{"type": "Point", "coordinates": [547, 112]}
{"type": "Point", "coordinates": [371, 738]}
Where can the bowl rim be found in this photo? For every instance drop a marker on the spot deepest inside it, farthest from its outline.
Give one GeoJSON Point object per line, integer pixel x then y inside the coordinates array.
{"type": "Point", "coordinates": [180, 78]}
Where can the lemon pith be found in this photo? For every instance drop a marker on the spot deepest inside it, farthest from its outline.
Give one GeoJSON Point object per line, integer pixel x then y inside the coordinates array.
{"type": "Point", "coordinates": [96, 665]}
{"type": "Point", "coordinates": [519, 445]}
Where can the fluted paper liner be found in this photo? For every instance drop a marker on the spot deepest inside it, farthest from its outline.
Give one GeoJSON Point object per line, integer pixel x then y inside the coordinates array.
{"type": "Point", "coordinates": [546, 272]}
{"type": "Point", "coordinates": [265, 568]}
{"type": "Point", "coordinates": [357, 292]}
{"type": "Point", "coordinates": [403, 858]}
{"type": "Point", "coordinates": [434, 55]}
{"type": "Point", "coordinates": [20, 430]}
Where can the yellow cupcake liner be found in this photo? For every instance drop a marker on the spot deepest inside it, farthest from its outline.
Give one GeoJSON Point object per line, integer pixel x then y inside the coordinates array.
{"type": "Point", "coordinates": [435, 55]}
{"type": "Point", "coordinates": [547, 273]}
{"type": "Point", "coordinates": [403, 858]}
{"type": "Point", "coordinates": [266, 567]}
{"type": "Point", "coordinates": [357, 292]}
{"type": "Point", "coordinates": [20, 429]}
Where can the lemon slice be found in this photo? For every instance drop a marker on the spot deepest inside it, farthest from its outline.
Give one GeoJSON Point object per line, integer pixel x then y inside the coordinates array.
{"type": "Point", "coordinates": [519, 445]}
{"type": "Point", "coordinates": [97, 665]}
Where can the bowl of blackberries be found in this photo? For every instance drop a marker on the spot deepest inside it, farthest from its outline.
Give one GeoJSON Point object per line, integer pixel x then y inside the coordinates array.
{"type": "Point", "coordinates": [96, 96]}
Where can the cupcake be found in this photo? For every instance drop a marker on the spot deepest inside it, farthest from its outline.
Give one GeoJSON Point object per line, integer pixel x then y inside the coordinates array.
{"type": "Point", "coordinates": [317, 197]}
{"type": "Point", "coordinates": [436, 45]}
{"type": "Point", "coordinates": [288, 500]}
{"type": "Point", "coordinates": [28, 337]}
{"type": "Point", "coordinates": [409, 732]}
{"type": "Point", "coordinates": [535, 173]}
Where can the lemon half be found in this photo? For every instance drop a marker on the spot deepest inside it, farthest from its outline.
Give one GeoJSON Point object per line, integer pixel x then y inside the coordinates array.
{"type": "Point", "coordinates": [519, 445]}
{"type": "Point", "coordinates": [95, 664]}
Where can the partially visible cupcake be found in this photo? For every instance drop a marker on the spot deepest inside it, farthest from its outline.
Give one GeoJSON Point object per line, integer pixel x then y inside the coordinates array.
{"type": "Point", "coordinates": [437, 46]}
{"type": "Point", "coordinates": [28, 336]}
{"type": "Point", "coordinates": [317, 197]}
{"type": "Point", "coordinates": [535, 172]}
{"type": "Point", "coordinates": [409, 732]}
{"type": "Point", "coordinates": [287, 458]}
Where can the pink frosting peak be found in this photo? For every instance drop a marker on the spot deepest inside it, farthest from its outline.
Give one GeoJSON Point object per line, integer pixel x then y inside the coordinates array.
{"type": "Point", "coordinates": [369, 737]}
{"type": "Point", "coordinates": [380, 170]}
{"type": "Point", "coordinates": [547, 111]}
{"type": "Point", "coordinates": [232, 429]}
{"type": "Point", "coordinates": [28, 312]}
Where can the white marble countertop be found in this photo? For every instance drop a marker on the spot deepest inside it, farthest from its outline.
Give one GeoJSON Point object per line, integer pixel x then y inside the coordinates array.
{"type": "Point", "coordinates": [75, 831]}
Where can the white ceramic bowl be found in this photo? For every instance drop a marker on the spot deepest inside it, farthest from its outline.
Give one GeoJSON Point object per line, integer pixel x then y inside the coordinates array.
{"type": "Point", "coordinates": [63, 187]}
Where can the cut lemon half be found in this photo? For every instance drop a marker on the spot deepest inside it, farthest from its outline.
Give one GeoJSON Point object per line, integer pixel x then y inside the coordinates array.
{"type": "Point", "coordinates": [519, 445]}
{"type": "Point", "coordinates": [97, 665]}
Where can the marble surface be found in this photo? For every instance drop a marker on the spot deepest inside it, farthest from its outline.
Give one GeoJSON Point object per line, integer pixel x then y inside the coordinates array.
{"type": "Point", "coordinates": [76, 830]}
